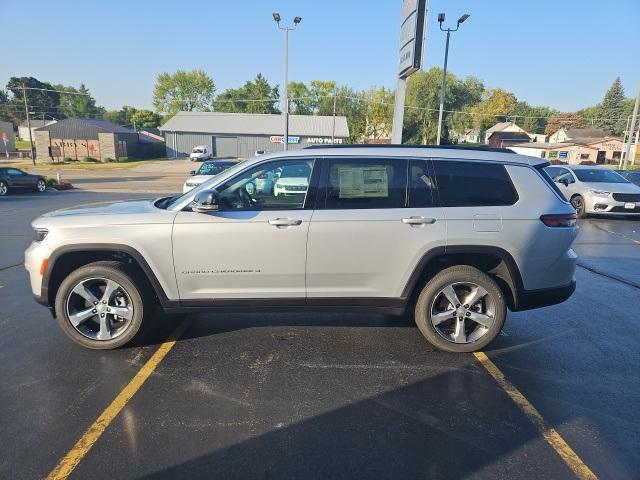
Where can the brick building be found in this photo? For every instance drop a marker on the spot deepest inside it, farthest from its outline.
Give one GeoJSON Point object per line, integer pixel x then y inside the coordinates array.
{"type": "Point", "coordinates": [77, 138]}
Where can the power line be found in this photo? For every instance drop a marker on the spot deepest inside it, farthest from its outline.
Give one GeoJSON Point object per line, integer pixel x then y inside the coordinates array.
{"type": "Point", "coordinates": [50, 90]}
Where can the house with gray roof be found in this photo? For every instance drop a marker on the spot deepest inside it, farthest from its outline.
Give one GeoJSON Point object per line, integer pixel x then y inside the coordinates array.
{"type": "Point", "coordinates": [240, 135]}
{"type": "Point", "coordinates": [77, 138]}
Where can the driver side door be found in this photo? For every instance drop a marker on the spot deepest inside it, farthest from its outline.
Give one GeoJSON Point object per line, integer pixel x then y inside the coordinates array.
{"type": "Point", "coordinates": [253, 247]}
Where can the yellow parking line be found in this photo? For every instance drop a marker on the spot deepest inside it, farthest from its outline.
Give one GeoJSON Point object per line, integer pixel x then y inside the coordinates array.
{"type": "Point", "coordinates": [93, 433]}
{"type": "Point", "coordinates": [553, 438]}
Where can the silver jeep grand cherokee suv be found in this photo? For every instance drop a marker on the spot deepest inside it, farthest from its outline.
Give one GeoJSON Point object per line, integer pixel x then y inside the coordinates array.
{"type": "Point", "coordinates": [454, 236]}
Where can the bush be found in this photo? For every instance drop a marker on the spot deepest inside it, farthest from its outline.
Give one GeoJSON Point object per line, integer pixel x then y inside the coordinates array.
{"type": "Point", "coordinates": [110, 160]}
{"type": "Point", "coordinates": [89, 160]}
{"type": "Point", "coordinates": [68, 159]}
{"type": "Point", "coordinates": [124, 159]}
{"type": "Point", "coordinates": [51, 182]}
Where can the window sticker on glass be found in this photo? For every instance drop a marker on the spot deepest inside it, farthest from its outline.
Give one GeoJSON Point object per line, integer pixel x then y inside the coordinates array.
{"type": "Point", "coordinates": [359, 182]}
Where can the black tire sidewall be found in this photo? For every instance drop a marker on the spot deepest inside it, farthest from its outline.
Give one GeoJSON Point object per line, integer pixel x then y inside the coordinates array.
{"type": "Point", "coordinates": [99, 270]}
{"type": "Point", "coordinates": [579, 214]}
{"type": "Point", "coordinates": [45, 186]}
{"type": "Point", "coordinates": [453, 275]}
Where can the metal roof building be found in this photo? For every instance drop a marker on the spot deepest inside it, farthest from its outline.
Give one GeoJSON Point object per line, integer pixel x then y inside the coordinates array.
{"type": "Point", "coordinates": [240, 135]}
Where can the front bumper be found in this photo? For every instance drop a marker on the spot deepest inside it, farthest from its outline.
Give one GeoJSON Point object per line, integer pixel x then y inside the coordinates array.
{"type": "Point", "coordinates": [595, 205]}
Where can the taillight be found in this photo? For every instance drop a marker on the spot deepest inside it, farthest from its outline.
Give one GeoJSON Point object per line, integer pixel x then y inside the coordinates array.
{"type": "Point", "coordinates": [559, 220]}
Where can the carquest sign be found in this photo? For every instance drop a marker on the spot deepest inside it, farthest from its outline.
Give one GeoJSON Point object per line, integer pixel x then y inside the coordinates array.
{"type": "Point", "coordinates": [280, 139]}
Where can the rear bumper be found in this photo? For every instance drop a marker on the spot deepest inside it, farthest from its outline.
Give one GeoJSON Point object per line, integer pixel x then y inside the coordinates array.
{"type": "Point", "coordinates": [530, 299]}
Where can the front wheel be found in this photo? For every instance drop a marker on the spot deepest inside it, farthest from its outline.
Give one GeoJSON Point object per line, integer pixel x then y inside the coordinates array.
{"type": "Point", "coordinates": [41, 186]}
{"type": "Point", "coordinates": [461, 309]}
{"type": "Point", "coordinates": [99, 306]}
{"type": "Point", "coordinates": [577, 202]}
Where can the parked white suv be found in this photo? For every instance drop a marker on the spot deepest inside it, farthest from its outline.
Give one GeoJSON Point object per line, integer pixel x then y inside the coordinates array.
{"type": "Point", "coordinates": [454, 236]}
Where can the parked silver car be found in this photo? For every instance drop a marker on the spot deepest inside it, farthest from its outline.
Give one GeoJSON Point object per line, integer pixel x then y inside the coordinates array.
{"type": "Point", "coordinates": [596, 190]}
{"type": "Point", "coordinates": [454, 236]}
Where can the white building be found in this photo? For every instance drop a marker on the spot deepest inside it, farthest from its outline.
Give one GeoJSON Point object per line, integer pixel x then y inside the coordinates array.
{"type": "Point", "coordinates": [23, 129]}
{"type": "Point", "coordinates": [568, 134]}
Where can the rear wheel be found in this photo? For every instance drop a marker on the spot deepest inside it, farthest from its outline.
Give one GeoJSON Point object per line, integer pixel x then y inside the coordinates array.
{"type": "Point", "coordinates": [99, 306]}
{"type": "Point", "coordinates": [41, 186]}
{"type": "Point", "coordinates": [4, 188]}
{"type": "Point", "coordinates": [578, 203]}
{"type": "Point", "coordinates": [461, 309]}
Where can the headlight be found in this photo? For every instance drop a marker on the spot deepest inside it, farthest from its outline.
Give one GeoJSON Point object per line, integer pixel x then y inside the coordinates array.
{"type": "Point", "coordinates": [600, 193]}
{"type": "Point", "coordinates": [39, 234]}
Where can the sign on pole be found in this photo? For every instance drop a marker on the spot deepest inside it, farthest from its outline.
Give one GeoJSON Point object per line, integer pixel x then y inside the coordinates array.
{"type": "Point", "coordinates": [5, 141]}
{"type": "Point", "coordinates": [412, 18]}
{"type": "Point", "coordinates": [411, 36]}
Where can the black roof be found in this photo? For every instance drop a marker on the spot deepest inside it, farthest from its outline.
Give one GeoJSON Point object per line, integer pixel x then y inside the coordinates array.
{"type": "Point", "coordinates": [481, 148]}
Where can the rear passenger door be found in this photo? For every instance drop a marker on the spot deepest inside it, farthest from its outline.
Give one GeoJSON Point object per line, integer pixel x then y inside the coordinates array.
{"type": "Point", "coordinates": [364, 238]}
{"type": "Point", "coordinates": [473, 195]}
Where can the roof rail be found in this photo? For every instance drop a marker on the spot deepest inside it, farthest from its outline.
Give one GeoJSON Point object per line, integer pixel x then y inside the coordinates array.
{"type": "Point", "coordinates": [481, 148]}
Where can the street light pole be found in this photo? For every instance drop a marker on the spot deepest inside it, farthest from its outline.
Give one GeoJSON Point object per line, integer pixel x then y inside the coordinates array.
{"type": "Point", "coordinates": [444, 69]}
{"type": "Point", "coordinates": [296, 21]}
{"type": "Point", "coordinates": [632, 128]}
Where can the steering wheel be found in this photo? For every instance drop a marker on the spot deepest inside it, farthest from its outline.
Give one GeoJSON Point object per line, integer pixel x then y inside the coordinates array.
{"type": "Point", "coordinates": [245, 198]}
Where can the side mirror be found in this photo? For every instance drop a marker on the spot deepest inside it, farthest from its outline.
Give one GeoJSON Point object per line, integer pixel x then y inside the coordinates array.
{"type": "Point", "coordinates": [192, 172]}
{"type": "Point", "coordinates": [206, 201]}
{"type": "Point", "coordinates": [564, 181]}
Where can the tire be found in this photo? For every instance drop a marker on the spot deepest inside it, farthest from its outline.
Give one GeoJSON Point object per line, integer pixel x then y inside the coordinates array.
{"type": "Point", "coordinates": [41, 186]}
{"type": "Point", "coordinates": [577, 202]}
{"type": "Point", "coordinates": [128, 299]}
{"type": "Point", "coordinates": [4, 188]}
{"type": "Point", "coordinates": [444, 331]}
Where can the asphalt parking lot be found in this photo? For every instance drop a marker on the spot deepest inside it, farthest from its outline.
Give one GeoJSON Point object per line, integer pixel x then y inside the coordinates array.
{"type": "Point", "coordinates": [328, 395]}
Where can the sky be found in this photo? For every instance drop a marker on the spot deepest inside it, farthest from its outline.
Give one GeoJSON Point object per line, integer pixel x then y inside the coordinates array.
{"type": "Point", "coordinates": [559, 53]}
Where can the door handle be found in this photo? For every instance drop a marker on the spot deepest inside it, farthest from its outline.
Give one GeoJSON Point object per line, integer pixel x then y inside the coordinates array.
{"type": "Point", "coordinates": [285, 222]}
{"type": "Point", "coordinates": [418, 221]}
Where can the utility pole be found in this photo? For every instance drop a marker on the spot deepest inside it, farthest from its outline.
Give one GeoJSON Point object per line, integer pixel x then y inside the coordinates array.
{"type": "Point", "coordinates": [632, 129]}
{"type": "Point", "coordinates": [26, 111]}
{"type": "Point", "coordinates": [333, 128]}
{"type": "Point", "coordinates": [444, 70]}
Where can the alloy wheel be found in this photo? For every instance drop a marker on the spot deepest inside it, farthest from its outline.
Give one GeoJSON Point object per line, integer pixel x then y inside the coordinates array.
{"type": "Point", "coordinates": [462, 312]}
{"type": "Point", "coordinates": [578, 203]}
{"type": "Point", "coordinates": [41, 186]}
{"type": "Point", "coordinates": [3, 189]}
{"type": "Point", "coordinates": [99, 308]}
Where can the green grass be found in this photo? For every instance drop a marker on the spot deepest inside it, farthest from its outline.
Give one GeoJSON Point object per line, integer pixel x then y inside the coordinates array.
{"type": "Point", "coordinates": [23, 145]}
{"type": "Point", "coordinates": [65, 166]}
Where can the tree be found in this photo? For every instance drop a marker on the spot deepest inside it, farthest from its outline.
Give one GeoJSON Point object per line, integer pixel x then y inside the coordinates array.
{"type": "Point", "coordinates": [183, 91]}
{"type": "Point", "coordinates": [255, 96]}
{"type": "Point", "coordinates": [42, 99]}
{"type": "Point", "coordinates": [497, 104]}
{"type": "Point", "coordinates": [378, 112]}
{"type": "Point", "coordinates": [120, 117]}
{"type": "Point", "coordinates": [145, 119]}
{"type": "Point", "coordinates": [4, 106]}
{"type": "Point", "coordinates": [531, 119]}
{"type": "Point", "coordinates": [564, 120]}
{"type": "Point", "coordinates": [83, 105]}
{"type": "Point", "coordinates": [611, 109]}
{"type": "Point", "coordinates": [300, 99]}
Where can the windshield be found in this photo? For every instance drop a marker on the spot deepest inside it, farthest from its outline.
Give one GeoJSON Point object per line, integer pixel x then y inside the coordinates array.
{"type": "Point", "coordinates": [598, 175]}
{"type": "Point", "coordinates": [214, 168]}
{"type": "Point", "coordinates": [198, 150]}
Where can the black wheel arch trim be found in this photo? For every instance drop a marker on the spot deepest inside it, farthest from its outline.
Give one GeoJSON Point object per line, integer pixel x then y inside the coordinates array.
{"type": "Point", "coordinates": [514, 282]}
{"type": "Point", "coordinates": [104, 247]}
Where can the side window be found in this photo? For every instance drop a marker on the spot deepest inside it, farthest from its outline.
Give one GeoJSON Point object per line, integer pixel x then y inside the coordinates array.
{"type": "Point", "coordinates": [14, 172]}
{"type": "Point", "coordinates": [421, 184]}
{"type": "Point", "coordinates": [277, 185]}
{"type": "Point", "coordinates": [365, 183]}
{"type": "Point", "coordinates": [467, 184]}
{"type": "Point", "coordinates": [564, 176]}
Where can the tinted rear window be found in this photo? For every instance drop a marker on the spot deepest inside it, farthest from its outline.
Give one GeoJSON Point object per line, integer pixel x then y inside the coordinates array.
{"type": "Point", "coordinates": [467, 184]}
